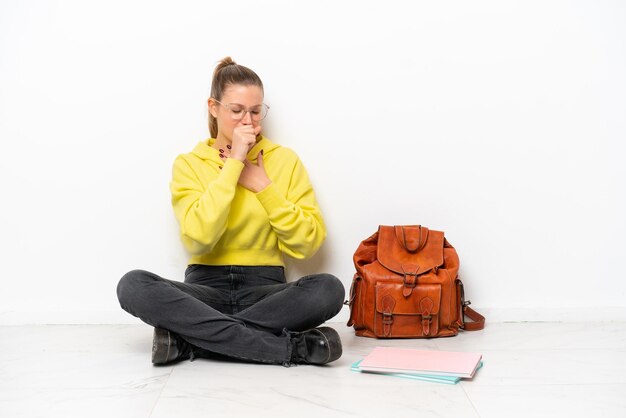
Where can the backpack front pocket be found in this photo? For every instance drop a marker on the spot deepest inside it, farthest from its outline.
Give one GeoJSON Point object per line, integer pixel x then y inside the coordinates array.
{"type": "Point", "coordinates": [398, 316]}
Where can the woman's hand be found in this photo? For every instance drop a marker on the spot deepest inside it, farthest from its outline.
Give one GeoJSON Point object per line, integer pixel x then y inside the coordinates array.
{"type": "Point", "coordinates": [244, 138]}
{"type": "Point", "coordinates": [253, 176]}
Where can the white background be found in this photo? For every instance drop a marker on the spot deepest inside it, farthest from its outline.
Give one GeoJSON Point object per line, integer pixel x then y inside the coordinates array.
{"type": "Point", "coordinates": [501, 123]}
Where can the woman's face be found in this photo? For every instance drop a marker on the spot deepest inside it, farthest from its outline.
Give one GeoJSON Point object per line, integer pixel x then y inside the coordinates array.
{"type": "Point", "coordinates": [237, 95]}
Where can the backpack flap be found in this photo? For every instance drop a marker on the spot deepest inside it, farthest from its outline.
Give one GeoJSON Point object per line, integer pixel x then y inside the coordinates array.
{"type": "Point", "coordinates": [409, 251]}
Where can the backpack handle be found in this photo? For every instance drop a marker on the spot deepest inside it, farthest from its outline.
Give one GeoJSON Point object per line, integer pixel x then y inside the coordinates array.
{"type": "Point", "coordinates": [411, 237]}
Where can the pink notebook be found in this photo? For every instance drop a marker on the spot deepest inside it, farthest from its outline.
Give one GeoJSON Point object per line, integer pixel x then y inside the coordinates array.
{"type": "Point", "coordinates": [434, 363]}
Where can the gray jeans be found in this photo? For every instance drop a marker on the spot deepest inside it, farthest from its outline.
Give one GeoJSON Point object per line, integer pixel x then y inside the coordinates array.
{"type": "Point", "coordinates": [246, 312]}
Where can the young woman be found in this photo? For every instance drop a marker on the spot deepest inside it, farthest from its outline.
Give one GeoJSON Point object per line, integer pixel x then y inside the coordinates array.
{"type": "Point", "coordinates": [242, 202]}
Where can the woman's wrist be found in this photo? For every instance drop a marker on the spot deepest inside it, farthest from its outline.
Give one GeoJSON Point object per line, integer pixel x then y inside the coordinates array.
{"type": "Point", "coordinates": [238, 156]}
{"type": "Point", "coordinates": [261, 185]}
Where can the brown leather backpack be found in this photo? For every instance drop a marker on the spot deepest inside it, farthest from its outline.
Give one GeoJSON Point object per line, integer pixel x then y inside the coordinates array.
{"type": "Point", "coordinates": [406, 286]}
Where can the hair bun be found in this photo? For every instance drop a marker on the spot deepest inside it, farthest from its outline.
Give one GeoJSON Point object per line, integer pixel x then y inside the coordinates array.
{"type": "Point", "coordinates": [225, 62]}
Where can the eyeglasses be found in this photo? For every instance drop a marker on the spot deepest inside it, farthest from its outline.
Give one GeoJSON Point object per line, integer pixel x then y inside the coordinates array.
{"type": "Point", "coordinates": [238, 112]}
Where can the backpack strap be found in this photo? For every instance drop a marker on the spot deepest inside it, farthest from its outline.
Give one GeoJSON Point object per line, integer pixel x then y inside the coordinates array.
{"type": "Point", "coordinates": [478, 321]}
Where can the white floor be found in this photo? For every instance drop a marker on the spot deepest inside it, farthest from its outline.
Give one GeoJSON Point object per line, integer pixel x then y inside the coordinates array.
{"type": "Point", "coordinates": [531, 369]}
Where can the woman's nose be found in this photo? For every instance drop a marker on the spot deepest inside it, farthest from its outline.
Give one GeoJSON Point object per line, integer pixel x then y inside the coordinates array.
{"type": "Point", "coordinates": [247, 118]}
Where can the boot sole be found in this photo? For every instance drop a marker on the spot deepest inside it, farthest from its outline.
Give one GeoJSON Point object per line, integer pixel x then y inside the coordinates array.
{"type": "Point", "coordinates": [334, 343]}
{"type": "Point", "coordinates": [161, 343]}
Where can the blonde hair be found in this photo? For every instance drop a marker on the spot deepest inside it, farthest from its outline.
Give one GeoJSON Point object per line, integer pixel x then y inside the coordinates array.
{"type": "Point", "coordinates": [227, 73]}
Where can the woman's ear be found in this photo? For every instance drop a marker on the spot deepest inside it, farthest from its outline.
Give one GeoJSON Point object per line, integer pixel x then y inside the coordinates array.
{"type": "Point", "coordinates": [212, 107]}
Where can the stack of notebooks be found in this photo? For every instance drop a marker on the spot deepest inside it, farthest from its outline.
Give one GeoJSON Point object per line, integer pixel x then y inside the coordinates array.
{"type": "Point", "coordinates": [433, 366]}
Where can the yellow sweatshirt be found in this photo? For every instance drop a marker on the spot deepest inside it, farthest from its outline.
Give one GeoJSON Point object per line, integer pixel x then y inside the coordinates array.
{"type": "Point", "coordinates": [223, 223]}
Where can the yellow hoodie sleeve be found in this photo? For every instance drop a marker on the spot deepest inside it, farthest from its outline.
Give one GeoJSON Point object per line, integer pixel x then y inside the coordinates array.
{"type": "Point", "coordinates": [202, 209]}
{"type": "Point", "coordinates": [296, 219]}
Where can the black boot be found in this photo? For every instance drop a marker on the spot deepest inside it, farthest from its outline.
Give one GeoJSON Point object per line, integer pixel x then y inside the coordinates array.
{"type": "Point", "coordinates": [168, 347]}
{"type": "Point", "coordinates": [316, 346]}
